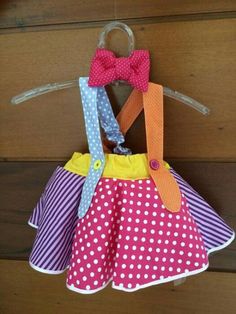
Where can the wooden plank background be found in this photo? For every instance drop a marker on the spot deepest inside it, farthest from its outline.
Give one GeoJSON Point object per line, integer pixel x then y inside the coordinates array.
{"type": "Point", "coordinates": [31, 292]}
{"type": "Point", "coordinates": [192, 46]}
{"type": "Point", "coordinates": [27, 13]}
{"type": "Point", "coordinates": [193, 57]}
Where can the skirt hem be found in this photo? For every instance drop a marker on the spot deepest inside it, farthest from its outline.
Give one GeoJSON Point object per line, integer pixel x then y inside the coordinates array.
{"type": "Point", "coordinates": [82, 291]}
{"type": "Point", "coordinates": [152, 283]}
{"type": "Point", "coordinates": [222, 246]}
{"type": "Point", "coordinates": [47, 271]}
{"type": "Point", "coordinates": [32, 225]}
{"type": "Point", "coordinates": [160, 281]}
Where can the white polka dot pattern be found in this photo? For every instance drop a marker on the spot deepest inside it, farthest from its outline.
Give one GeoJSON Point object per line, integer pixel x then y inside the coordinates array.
{"type": "Point", "coordinates": [95, 102]}
{"type": "Point", "coordinates": [106, 68]}
{"type": "Point", "coordinates": [89, 102]}
{"type": "Point", "coordinates": [129, 237]}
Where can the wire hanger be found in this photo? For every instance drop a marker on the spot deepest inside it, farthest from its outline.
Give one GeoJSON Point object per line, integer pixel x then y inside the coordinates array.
{"type": "Point", "coordinates": [101, 44]}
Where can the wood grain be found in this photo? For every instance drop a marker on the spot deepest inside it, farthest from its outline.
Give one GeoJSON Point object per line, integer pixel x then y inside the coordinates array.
{"type": "Point", "coordinates": [23, 290]}
{"type": "Point", "coordinates": [23, 182]}
{"type": "Point", "coordinates": [196, 58]}
{"type": "Point", "coordinates": [27, 13]}
{"type": "Point", "coordinates": [192, 45]}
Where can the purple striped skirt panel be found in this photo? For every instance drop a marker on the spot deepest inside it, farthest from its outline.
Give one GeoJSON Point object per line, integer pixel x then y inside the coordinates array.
{"type": "Point", "coordinates": [55, 217]}
{"type": "Point", "coordinates": [215, 232]}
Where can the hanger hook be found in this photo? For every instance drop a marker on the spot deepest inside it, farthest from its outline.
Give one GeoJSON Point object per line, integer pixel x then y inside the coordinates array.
{"type": "Point", "coordinates": [116, 25]}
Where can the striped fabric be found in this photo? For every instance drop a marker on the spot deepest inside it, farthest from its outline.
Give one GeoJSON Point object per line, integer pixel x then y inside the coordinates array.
{"type": "Point", "coordinates": [215, 232]}
{"type": "Point", "coordinates": [56, 216]}
{"type": "Point", "coordinates": [34, 220]}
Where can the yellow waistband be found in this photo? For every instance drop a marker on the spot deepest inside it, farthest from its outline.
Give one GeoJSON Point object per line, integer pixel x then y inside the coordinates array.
{"type": "Point", "coordinates": [126, 167]}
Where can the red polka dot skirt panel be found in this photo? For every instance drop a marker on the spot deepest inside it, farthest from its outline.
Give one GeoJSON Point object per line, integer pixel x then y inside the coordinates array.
{"type": "Point", "coordinates": [129, 238]}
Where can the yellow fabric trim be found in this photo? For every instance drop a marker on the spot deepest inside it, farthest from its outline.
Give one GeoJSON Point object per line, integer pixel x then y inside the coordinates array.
{"type": "Point", "coordinates": [126, 167]}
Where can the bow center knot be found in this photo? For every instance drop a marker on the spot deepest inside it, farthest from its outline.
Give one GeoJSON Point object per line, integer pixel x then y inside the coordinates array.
{"type": "Point", "coordinates": [123, 68]}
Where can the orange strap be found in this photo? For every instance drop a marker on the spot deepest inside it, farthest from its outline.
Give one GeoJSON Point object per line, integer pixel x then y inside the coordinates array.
{"type": "Point", "coordinates": [152, 101]}
{"type": "Point", "coordinates": [166, 184]}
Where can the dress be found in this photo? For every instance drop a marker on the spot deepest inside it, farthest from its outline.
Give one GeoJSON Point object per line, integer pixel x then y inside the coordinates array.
{"type": "Point", "coordinates": [127, 236]}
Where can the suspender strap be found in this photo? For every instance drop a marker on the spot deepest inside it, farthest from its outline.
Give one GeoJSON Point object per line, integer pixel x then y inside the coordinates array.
{"type": "Point", "coordinates": [96, 105]}
{"type": "Point", "coordinates": [89, 102]}
{"type": "Point", "coordinates": [165, 182]}
{"type": "Point", "coordinates": [153, 113]}
{"type": "Point", "coordinates": [152, 101]}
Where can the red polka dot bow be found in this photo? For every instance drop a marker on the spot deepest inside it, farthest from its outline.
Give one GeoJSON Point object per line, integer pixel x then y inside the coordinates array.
{"type": "Point", "coordinates": [106, 68]}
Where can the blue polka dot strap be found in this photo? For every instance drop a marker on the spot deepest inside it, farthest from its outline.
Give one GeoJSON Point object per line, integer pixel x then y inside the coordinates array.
{"type": "Point", "coordinates": [96, 105]}
{"type": "Point", "coordinates": [89, 103]}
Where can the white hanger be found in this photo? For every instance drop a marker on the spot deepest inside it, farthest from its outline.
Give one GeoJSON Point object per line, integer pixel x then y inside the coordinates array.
{"type": "Point", "coordinates": [44, 89]}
